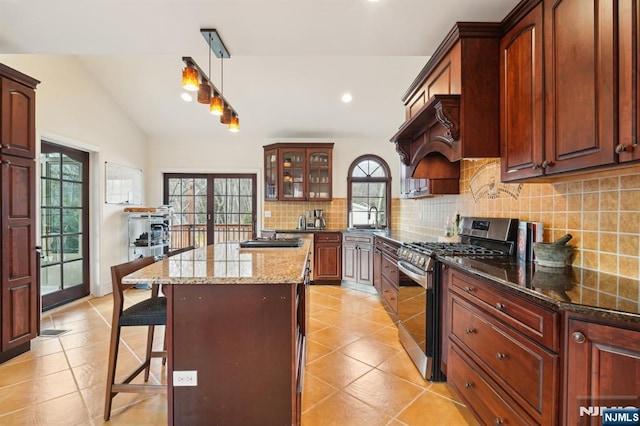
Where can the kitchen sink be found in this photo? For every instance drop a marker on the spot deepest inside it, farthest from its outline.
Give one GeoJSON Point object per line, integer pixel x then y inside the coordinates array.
{"type": "Point", "coordinates": [271, 243]}
{"type": "Point", "coordinates": [367, 229]}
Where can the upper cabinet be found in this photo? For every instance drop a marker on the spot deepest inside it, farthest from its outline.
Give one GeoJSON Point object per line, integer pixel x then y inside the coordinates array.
{"type": "Point", "coordinates": [17, 109]}
{"type": "Point", "coordinates": [452, 109]}
{"type": "Point", "coordinates": [629, 81]}
{"type": "Point", "coordinates": [298, 172]}
{"type": "Point", "coordinates": [562, 63]}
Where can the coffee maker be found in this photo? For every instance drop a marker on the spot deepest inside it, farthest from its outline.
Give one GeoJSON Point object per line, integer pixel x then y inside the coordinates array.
{"type": "Point", "coordinates": [318, 221]}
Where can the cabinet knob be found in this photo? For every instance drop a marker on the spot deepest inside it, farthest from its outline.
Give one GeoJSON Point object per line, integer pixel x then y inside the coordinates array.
{"type": "Point", "coordinates": [620, 148]}
{"type": "Point", "coordinates": [499, 306]}
{"type": "Point", "coordinates": [7, 162]}
{"type": "Point", "coordinates": [5, 146]}
{"type": "Point", "coordinates": [468, 385]}
{"type": "Point", "coordinates": [498, 421]}
{"type": "Point", "coordinates": [546, 164]}
{"type": "Point", "coordinates": [578, 337]}
{"type": "Point", "coordinates": [469, 330]}
{"type": "Point", "coordinates": [536, 166]}
{"type": "Point", "coordinates": [500, 355]}
{"type": "Point", "coordinates": [469, 289]}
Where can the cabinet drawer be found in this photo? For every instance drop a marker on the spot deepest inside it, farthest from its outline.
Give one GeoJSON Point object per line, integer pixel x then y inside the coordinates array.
{"type": "Point", "coordinates": [390, 269]}
{"type": "Point", "coordinates": [524, 369]}
{"type": "Point", "coordinates": [536, 322]}
{"type": "Point", "coordinates": [333, 237]}
{"type": "Point", "coordinates": [365, 239]}
{"type": "Point", "coordinates": [390, 294]}
{"type": "Point", "coordinates": [490, 408]}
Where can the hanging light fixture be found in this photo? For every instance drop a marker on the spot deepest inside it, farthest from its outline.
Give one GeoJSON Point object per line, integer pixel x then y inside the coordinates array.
{"type": "Point", "coordinates": [190, 77]}
{"type": "Point", "coordinates": [194, 79]}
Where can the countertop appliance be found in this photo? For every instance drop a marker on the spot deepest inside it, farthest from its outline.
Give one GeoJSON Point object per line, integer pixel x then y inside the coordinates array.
{"type": "Point", "coordinates": [271, 242]}
{"type": "Point", "coordinates": [319, 222]}
{"type": "Point", "coordinates": [419, 310]}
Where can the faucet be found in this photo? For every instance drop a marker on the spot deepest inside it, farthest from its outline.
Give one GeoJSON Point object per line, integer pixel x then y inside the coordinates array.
{"type": "Point", "coordinates": [375, 219]}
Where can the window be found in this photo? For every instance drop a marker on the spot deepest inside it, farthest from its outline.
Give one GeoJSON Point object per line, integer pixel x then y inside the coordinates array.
{"type": "Point", "coordinates": [369, 192]}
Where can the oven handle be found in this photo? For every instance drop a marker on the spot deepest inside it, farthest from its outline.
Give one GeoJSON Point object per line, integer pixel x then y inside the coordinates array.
{"type": "Point", "coordinates": [421, 277]}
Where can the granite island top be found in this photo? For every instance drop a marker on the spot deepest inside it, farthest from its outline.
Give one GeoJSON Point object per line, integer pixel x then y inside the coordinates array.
{"type": "Point", "coordinates": [227, 263]}
{"type": "Point", "coordinates": [571, 289]}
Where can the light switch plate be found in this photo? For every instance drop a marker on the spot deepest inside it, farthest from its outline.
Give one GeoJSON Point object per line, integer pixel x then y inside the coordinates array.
{"type": "Point", "coordinates": [267, 213]}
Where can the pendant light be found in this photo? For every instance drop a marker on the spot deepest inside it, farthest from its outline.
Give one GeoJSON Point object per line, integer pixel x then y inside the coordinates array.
{"type": "Point", "coordinates": [190, 78]}
{"type": "Point", "coordinates": [193, 79]}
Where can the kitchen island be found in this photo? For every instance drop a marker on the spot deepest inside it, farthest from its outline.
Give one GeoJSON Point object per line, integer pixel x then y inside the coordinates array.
{"type": "Point", "coordinates": [238, 319]}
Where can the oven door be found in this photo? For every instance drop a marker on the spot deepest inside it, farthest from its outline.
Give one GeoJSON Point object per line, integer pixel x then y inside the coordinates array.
{"type": "Point", "coordinates": [418, 314]}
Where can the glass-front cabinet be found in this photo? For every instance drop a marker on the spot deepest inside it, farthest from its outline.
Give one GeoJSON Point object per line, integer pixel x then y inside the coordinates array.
{"type": "Point", "coordinates": [298, 172]}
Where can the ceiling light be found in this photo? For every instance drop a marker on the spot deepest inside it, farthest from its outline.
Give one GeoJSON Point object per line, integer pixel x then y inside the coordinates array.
{"type": "Point", "coordinates": [234, 124]}
{"type": "Point", "coordinates": [190, 78]}
{"type": "Point", "coordinates": [194, 79]}
{"type": "Point", "coordinates": [346, 98]}
{"type": "Point", "coordinates": [186, 97]}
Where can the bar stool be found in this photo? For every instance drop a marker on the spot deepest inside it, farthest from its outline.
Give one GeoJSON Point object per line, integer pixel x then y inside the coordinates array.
{"type": "Point", "coordinates": [149, 312]}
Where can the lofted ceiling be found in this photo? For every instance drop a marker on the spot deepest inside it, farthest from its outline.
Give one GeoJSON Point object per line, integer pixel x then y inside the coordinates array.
{"type": "Point", "coordinates": [291, 60]}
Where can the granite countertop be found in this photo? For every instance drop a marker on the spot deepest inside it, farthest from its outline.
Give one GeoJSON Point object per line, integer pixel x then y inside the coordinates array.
{"type": "Point", "coordinates": [303, 231]}
{"type": "Point", "coordinates": [571, 289]}
{"type": "Point", "coordinates": [227, 263]}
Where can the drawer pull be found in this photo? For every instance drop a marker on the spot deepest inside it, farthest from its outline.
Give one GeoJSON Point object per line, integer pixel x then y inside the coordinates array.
{"type": "Point", "coordinates": [469, 330]}
{"type": "Point", "coordinates": [7, 162]}
{"type": "Point", "coordinates": [500, 355]}
{"type": "Point", "coordinates": [469, 289]}
{"type": "Point", "coordinates": [578, 337]}
{"type": "Point", "coordinates": [468, 385]}
{"type": "Point", "coordinates": [498, 421]}
{"type": "Point", "coordinates": [499, 306]}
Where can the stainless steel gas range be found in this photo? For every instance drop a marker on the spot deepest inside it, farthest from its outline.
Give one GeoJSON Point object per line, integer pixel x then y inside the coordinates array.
{"type": "Point", "coordinates": [419, 309]}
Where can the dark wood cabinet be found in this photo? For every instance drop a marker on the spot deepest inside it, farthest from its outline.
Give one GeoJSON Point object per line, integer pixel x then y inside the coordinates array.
{"type": "Point", "coordinates": [327, 257]}
{"type": "Point", "coordinates": [387, 273]}
{"type": "Point", "coordinates": [503, 353]}
{"type": "Point", "coordinates": [521, 98]}
{"type": "Point", "coordinates": [580, 84]}
{"type": "Point", "coordinates": [357, 260]}
{"type": "Point", "coordinates": [602, 368]}
{"type": "Point", "coordinates": [19, 287]}
{"type": "Point", "coordinates": [298, 172]}
{"type": "Point", "coordinates": [629, 81]}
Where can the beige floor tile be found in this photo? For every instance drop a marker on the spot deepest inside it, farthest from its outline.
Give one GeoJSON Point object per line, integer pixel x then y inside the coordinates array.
{"type": "Point", "coordinates": [341, 409]}
{"type": "Point", "coordinates": [369, 351]}
{"type": "Point", "coordinates": [315, 390]}
{"type": "Point", "coordinates": [316, 350]}
{"type": "Point", "coordinates": [32, 368]}
{"type": "Point", "coordinates": [35, 391]}
{"type": "Point", "coordinates": [334, 337]}
{"type": "Point", "coordinates": [402, 366]}
{"type": "Point", "coordinates": [68, 410]}
{"type": "Point", "coordinates": [384, 391]}
{"type": "Point", "coordinates": [337, 369]}
{"type": "Point", "coordinates": [430, 409]}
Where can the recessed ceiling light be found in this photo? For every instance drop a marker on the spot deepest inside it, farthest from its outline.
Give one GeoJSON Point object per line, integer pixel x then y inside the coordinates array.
{"type": "Point", "coordinates": [346, 98]}
{"type": "Point", "coordinates": [186, 97]}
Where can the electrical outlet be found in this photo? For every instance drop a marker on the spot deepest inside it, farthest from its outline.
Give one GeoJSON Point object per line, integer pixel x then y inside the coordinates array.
{"type": "Point", "coordinates": [185, 378]}
{"type": "Point", "coordinates": [267, 213]}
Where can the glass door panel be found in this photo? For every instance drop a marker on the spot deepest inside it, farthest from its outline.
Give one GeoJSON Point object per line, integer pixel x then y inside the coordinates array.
{"type": "Point", "coordinates": [271, 175]}
{"type": "Point", "coordinates": [293, 171]}
{"type": "Point", "coordinates": [64, 224]}
{"type": "Point", "coordinates": [319, 175]}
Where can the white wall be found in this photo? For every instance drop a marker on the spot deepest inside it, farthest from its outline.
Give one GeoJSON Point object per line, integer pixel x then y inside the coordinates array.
{"type": "Point", "coordinates": [72, 109]}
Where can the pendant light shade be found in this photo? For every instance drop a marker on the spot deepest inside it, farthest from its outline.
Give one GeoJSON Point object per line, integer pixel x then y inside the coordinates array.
{"type": "Point", "coordinates": [234, 124]}
{"type": "Point", "coordinates": [225, 118]}
{"type": "Point", "coordinates": [204, 93]}
{"type": "Point", "coordinates": [190, 78]}
{"type": "Point", "coordinates": [217, 106]}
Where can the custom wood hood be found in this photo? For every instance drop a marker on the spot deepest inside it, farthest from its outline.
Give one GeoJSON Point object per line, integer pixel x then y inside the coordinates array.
{"type": "Point", "coordinates": [453, 106]}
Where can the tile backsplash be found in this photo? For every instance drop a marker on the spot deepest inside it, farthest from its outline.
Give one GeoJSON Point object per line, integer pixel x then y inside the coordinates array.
{"type": "Point", "coordinates": [600, 209]}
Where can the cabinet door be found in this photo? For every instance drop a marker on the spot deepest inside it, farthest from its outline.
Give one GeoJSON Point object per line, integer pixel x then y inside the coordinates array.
{"type": "Point", "coordinates": [17, 129]}
{"type": "Point", "coordinates": [365, 264]}
{"type": "Point", "coordinates": [579, 78]}
{"type": "Point", "coordinates": [293, 169]}
{"type": "Point", "coordinates": [602, 369]}
{"type": "Point", "coordinates": [328, 259]}
{"type": "Point", "coordinates": [350, 261]}
{"type": "Point", "coordinates": [628, 80]}
{"type": "Point", "coordinates": [271, 175]}
{"type": "Point", "coordinates": [19, 284]}
{"type": "Point", "coordinates": [521, 81]}
{"type": "Point", "coordinates": [319, 167]}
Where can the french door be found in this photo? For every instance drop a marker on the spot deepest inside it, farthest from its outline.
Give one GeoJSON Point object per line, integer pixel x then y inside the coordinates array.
{"type": "Point", "coordinates": [211, 208]}
{"type": "Point", "coordinates": [64, 224]}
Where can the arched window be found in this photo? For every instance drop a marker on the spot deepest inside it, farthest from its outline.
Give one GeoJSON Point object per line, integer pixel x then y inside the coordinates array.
{"type": "Point", "coordinates": [369, 192]}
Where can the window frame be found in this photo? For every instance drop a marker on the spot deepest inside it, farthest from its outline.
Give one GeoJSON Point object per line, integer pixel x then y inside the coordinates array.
{"type": "Point", "coordinates": [387, 180]}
